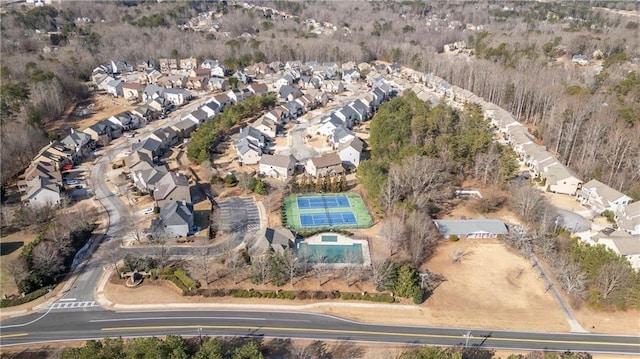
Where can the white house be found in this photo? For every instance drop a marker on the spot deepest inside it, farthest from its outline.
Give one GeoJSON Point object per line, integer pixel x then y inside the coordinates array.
{"type": "Point", "coordinates": [601, 197]}
{"type": "Point", "coordinates": [267, 126]}
{"type": "Point", "coordinates": [216, 68]}
{"type": "Point", "coordinates": [177, 96]}
{"type": "Point", "coordinates": [277, 166]}
{"type": "Point", "coordinates": [114, 87]}
{"type": "Point", "coordinates": [329, 124]}
{"type": "Point", "coordinates": [248, 152]}
{"type": "Point", "coordinates": [341, 136]}
{"type": "Point", "coordinates": [42, 191]}
{"type": "Point", "coordinates": [350, 153]}
{"type": "Point", "coordinates": [628, 218]}
{"type": "Point", "coordinates": [623, 244]}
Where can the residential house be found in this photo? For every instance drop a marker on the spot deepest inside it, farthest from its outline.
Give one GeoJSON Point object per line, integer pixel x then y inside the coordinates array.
{"type": "Point", "coordinates": [153, 76]}
{"type": "Point", "coordinates": [333, 86]}
{"type": "Point", "coordinates": [175, 220]}
{"type": "Point", "coordinates": [42, 191]}
{"type": "Point", "coordinates": [293, 65]}
{"type": "Point", "coordinates": [277, 166]}
{"type": "Point", "coordinates": [351, 152]}
{"type": "Point", "coordinates": [328, 125]}
{"type": "Point", "coordinates": [276, 66]}
{"type": "Point", "coordinates": [152, 91]}
{"type": "Point", "coordinates": [79, 142]}
{"type": "Point", "coordinates": [219, 84]}
{"type": "Point", "coordinates": [350, 76]}
{"type": "Point", "coordinates": [126, 120]}
{"type": "Point", "coordinates": [242, 77]}
{"type": "Point", "coordinates": [222, 100]}
{"type": "Point", "coordinates": [214, 66]}
{"type": "Point", "coordinates": [361, 109]}
{"type": "Point", "coordinates": [295, 109]}
{"type": "Point", "coordinates": [184, 128]}
{"type": "Point", "coordinates": [211, 109]}
{"type": "Point", "coordinates": [285, 80]}
{"type": "Point", "coordinates": [145, 176]}
{"type": "Point", "coordinates": [327, 164]}
{"type": "Point", "coordinates": [188, 63]}
{"type": "Point", "coordinates": [235, 95]}
{"type": "Point", "coordinates": [55, 154]}
{"type": "Point", "coordinates": [258, 89]}
{"type": "Point", "coordinates": [340, 136]}
{"type": "Point", "coordinates": [150, 147]}
{"type": "Point", "coordinates": [115, 88]}
{"type": "Point", "coordinates": [170, 188]}
{"type": "Point", "coordinates": [159, 104]}
{"type": "Point", "coordinates": [102, 132]}
{"type": "Point", "coordinates": [120, 67]}
{"type": "Point", "coordinates": [165, 136]}
{"type": "Point", "coordinates": [174, 81]}
{"type": "Point", "coordinates": [288, 93]}
{"type": "Point", "coordinates": [560, 179]}
{"type": "Point", "coordinates": [348, 115]}
{"type": "Point", "coordinates": [307, 102]}
{"type": "Point", "coordinates": [132, 91]}
{"type": "Point", "coordinates": [628, 218]}
{"type": "Point", "coordinates": [146, 112]}
{"type": "Point", "coordinates": [623, 244]}
{"type": "Point", "coordinates": [349, 65]}
{"type": "Point", "coordinates": [278, 114]}
{"type": "Point", "coordinates": [308, 82]}
{"type": "Point", "coordinates": [198, 83]}
{"type": "Point", "coordinates": [471, 228]}
{"type": "Point", "coordinates": [42, 169]}
{"type": "Point", "coordinates": [248, 152]}
{"type": "Point", "coordinates": [267, 126]}
{"type": "Point", "coordinates": [271, 240]}
{"type": "Point", "coordinates": [145, 65]}
{"type": "Point", "coordinates": [177, 96]}
{"type": "Point", "coordinates": [253, 135]}
{"type": "Point", "coordinates": [601, 197]}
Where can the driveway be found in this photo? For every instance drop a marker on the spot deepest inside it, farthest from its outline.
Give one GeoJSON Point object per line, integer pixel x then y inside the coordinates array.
{"type": "Point", "coordinates": [572, 221]}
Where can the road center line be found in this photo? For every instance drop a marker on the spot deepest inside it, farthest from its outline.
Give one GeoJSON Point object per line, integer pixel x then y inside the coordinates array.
{"type": "Point", "coordinates": [364, 332]}
{"type": "Point", "coordinates": [182, 318]}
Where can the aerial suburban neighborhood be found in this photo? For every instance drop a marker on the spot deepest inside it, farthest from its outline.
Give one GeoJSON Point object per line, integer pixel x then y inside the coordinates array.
{"type": "Point", "coordinates": [344, 179]}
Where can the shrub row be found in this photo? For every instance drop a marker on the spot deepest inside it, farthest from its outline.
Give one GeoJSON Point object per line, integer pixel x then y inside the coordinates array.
{"type": "Point", "coordinates": [239, 293]}
{"type": "Point", "coordinates": [4, 303]}
{"type": "Point", "coordinates": [380, 298]}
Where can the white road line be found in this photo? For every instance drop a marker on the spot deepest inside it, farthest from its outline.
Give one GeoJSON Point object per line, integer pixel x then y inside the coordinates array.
{"type": "Point", "coordinates": [67, 299]}
{"type": "Point", "coordinates": [182, 318]}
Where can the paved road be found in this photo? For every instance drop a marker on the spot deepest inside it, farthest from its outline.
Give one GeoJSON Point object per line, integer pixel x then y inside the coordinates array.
{"type": "Point", "coordinates": [58, 326]}
{"type": "Point", "coordinates": [572, 221]}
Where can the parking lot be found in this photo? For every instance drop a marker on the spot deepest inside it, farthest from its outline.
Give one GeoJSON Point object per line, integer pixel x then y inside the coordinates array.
{"type": "Point", "coordinates": [238, 214]}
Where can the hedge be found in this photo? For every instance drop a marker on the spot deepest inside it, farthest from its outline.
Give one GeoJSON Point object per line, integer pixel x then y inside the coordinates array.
{"type": "Point", "coordinates": [4, 303]}
{"type": "Point", "coordinates": [240, 293]}
{"type": "Point", "coordinates": [381, 298]}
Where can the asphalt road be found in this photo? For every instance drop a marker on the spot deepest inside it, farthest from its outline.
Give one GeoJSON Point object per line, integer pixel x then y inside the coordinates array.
{"type": "Point", "coordinates": [63, 326]}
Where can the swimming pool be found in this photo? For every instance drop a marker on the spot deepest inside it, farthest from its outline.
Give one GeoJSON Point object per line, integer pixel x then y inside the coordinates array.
{"type": "Point", "coordinates": [330, 253]}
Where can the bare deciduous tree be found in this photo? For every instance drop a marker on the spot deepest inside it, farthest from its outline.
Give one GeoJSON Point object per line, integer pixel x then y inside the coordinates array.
{"type": "Point", "coordinates": [381, 270]}
{"type": "Point", "coordinates": [290, 262]}
{"type": "Point", "coordinates": [527, 203]}
{"type": "Point", "coordinates": [320, 269]}
{"type": "Point", "coordinates": [612, 276]}
{"type": "Point", "coordinates": [260, 269]}
{"type": "Point", "coordinates": [458, 254]}
{"type": "Point", "coordinates": [392, 229]}
{"type": "Point", "coordinates": [422, 237]}
{"type": "Point", "coordinates": [19, 269]}
{"type": "Point", "coordinates": [47, 257]}
{"type": "Point", "coordinates": [204, 263]}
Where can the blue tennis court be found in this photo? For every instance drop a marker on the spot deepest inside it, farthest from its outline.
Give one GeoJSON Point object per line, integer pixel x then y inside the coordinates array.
{"type": "Point", "coordinates": [327, 219]}
{"type": "Point", "coordinates": [317, 202]}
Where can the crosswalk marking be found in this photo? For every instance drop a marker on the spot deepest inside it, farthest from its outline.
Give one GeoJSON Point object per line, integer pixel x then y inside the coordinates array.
{"type": "Point", "coordinates": [70, 305]}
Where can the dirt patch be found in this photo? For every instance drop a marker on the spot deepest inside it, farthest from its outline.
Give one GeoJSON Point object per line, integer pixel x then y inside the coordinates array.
{"type": "Point", "coordinates": [627, 322]}
{"type": "Point", "coordinates": [89, 112]}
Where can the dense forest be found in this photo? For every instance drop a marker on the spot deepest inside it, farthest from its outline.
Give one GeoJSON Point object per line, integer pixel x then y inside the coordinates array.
{"type": "Point", "coordinates": [519, 56]}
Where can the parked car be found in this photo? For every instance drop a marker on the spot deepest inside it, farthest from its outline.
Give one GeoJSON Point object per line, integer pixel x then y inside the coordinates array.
{"type": "Point", "coordinates": [73, 182]}
{"type": "Point", "coordinates": [147, 210]}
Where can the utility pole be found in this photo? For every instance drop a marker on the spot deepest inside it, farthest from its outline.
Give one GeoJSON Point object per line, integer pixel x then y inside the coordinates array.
{"type": "Point", "coordinates": [200, 335]}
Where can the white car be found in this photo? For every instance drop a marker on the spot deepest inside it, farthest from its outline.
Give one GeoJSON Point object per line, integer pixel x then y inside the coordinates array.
{"type": "Point", "coordinates": [72, 182]}
{"type": "Point", "coordinates": [147, 210]}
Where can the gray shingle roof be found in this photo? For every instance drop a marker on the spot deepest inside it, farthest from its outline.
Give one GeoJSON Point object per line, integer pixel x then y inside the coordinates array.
{"type": "Point", "coordinates": [463, 227]}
